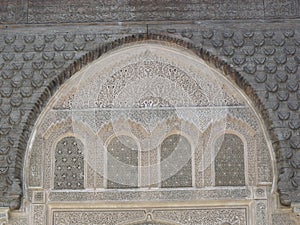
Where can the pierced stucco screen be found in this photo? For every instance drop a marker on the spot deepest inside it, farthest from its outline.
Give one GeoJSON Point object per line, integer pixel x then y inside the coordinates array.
{"type": "Point", "coordinates": [122, 163]}
{"type": "Point", "coordinates": [155, 128]}
{"type": "Point", "coordinates": [176, 153]}
{"type": "Point", "coordinates": [69, 164]}
{"type": "Point", "coordinates": [229, 161]}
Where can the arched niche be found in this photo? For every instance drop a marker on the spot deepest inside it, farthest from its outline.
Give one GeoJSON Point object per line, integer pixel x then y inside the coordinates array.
{"type": "Point", "coordinates": [137, 88]}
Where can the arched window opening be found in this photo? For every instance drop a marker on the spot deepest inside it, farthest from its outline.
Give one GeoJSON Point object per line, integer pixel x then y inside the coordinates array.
{"type": "Point", "coordinates": [229, 161]}
{"type": "Point", "coordinates": [69, 164]}
{"type": "Point", "coordinates": [176, 162]}
{"type": "Point", "coordinates": [122, 163]}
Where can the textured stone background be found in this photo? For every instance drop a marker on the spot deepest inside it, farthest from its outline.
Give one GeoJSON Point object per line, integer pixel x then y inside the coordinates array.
{"type": "Point", "coordinates": [78, 11]}
{"type": "Point", "coordinates": [260, 54]}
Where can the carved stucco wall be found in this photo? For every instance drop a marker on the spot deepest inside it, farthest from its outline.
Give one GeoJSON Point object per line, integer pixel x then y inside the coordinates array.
{"type": "Point", "coordinates": [262, 57]}
{"type": "Point", "coordinates": [151, 92]}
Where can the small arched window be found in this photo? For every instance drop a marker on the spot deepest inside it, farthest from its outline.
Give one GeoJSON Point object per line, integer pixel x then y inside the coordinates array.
{"type": "Point", "coordinates": [122, 163]}
{"type": "Point", "coordinates": [69, 164]}
{"type": "Point", "coordinates": [229, 161]}
{"type": "Point", "coordinates": [176, 162]}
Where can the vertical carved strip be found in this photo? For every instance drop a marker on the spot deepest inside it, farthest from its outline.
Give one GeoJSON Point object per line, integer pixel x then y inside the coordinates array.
{"type": "Point", "coordinates": [199, 167]}
{"type": "Point", "coordinates": [251, 163]}
{"type": "Point", "coordinates": [144, 165]}
{"type": "Point", "coordinates": [264, 167]}
{"type": "Point", "coordinates": [39, 214]}
{"type": "Point", "coordinates": [261, 213]}
{"type": "Point", "coordinates": [35, 167]}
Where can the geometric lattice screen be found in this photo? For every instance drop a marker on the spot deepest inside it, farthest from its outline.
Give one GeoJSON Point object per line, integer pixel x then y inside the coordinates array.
{"type": "Point", "coordinates": [229, 161]}
{"type": "Point", "coordinates": [122, 163]}
{"type": "Point", "coordinates": [176, 162]}
{"type": "Point", "coordinates": [69, 164]}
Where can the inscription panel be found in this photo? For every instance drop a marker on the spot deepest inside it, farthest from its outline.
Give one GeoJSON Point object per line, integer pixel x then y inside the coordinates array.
{"type": "Point", "coordinates": [223, 216]}
{"type": "Point", "coordinates": [96, 217]}
{"type": "Point", "coordinates": [153, 195]}
{"type": "Point", "coordinates": [133, 10]}
{"type": "Point", "coordinates": [189, 216]}
{"type": "Point", "coordinates": [35, 11]}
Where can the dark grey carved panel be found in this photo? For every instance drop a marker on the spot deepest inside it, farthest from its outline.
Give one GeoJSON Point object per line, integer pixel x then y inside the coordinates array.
{"type": "Point", "coordinates": [13, 11]}
{"type": "Point", "coordinates": [69, 164]}
{"type": "Point", "coordinates": [229, 162]}
{"type": "Point", "coordinates": [34, 11]}
{"type": "Point", "coordinates": [176, 162]}
{"type": "Point", "coordinates": [122, 163]}
{"type": "Point", "coordinates": [281, 8]}
{"type": "Point", "coordinates": [132, 10]}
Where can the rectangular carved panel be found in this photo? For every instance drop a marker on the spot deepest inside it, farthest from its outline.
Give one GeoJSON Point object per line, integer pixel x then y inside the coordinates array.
{"type": "Point", "coordinates": [281, 8]}
{"type": "Point", "coordinates": [154, 195]}
{"type": "Point", "coordinates": [96, 217]}
{"type": "Point", "coordinates": [203, 216]}
{"type": "Point", "coordinates": [187, 216]}
{"type": "Point", "coordinates": [133, 10]}
{"type": "Point", "coordinates": [39, 214]}
{"type": "Point", "coordinates": [13, 11]}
